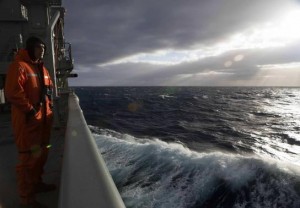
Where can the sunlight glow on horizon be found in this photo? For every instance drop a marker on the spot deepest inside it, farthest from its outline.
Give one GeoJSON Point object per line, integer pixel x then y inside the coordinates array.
{"type": "Point", "coordinates": [277, 33]}
{"type": "Point", "coordinates": [292, 65]}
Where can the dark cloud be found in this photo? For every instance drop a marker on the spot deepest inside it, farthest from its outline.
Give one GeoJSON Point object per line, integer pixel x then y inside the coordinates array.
{"type": "Point", "coordinates": [104, 30]}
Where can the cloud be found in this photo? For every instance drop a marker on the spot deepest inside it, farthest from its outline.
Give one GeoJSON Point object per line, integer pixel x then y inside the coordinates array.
{"type": "Point", "coordinates": [144, 39]}
{"type": "Point", "coordinates": [211, 71]}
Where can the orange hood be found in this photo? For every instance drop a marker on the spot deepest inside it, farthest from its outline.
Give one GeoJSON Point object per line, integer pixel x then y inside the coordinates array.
{"type": "Point", "coordinates": [23, 55]}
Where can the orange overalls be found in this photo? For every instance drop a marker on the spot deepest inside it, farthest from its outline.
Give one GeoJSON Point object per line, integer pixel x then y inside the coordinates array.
{"type": "Point", "coordinates": [23, 88]}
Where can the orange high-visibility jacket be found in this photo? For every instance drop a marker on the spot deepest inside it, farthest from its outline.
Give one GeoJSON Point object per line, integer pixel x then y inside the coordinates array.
{"type": "Point", "coordinates": [22, 86]}
{"type": "Point", "coordinates": [23, 89]}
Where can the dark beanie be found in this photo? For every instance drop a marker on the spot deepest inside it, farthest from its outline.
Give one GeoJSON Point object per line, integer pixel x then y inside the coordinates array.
{"type": "Point", "coordinates": [31, 43]}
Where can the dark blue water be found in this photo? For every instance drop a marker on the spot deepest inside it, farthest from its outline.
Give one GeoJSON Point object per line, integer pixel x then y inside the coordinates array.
{"type": "Point", "coordinates": [199, 147]}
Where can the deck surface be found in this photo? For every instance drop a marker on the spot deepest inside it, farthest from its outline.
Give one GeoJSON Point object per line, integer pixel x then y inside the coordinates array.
{"type": "Point", "coordinates": [8, 160]}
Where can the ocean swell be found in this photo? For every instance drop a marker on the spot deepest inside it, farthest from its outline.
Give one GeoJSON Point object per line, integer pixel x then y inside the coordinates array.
{"type": "Point", "coordinates": [153, 173]}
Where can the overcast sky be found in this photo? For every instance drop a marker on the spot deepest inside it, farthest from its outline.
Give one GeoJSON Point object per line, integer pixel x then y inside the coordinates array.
{"type": "Point", "coordinates": [184, 42]}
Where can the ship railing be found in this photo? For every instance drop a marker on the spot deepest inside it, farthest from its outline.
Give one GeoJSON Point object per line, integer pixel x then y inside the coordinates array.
{"type": "Point", "coordinates": [85, 179]}
{"type": "Point", "coordinates": [64, 57]}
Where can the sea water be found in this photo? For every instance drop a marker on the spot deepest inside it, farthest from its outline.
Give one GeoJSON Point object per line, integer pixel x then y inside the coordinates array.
{"type": "Point", "coordinates": [187, 147]}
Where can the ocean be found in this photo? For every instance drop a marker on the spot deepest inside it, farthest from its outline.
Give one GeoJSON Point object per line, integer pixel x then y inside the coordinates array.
{"type": "Point", "coordinates": [194, 147]}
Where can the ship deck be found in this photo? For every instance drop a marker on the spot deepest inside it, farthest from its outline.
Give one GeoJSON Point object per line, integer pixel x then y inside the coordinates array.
{"type": "Point", "coordinates": [8, 160]}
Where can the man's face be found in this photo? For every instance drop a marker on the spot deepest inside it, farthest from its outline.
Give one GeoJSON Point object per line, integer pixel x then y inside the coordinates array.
{"type": "Point", "coordinates": [39, 51]}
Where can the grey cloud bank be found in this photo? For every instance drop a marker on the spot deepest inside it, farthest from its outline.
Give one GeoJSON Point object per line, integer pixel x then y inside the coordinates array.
{"type": "Point", "coordinates": [105, 31]}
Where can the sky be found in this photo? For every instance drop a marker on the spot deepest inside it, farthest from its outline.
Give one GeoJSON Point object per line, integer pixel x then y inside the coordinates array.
{"type": "Point", "coordinates": [184, 42]}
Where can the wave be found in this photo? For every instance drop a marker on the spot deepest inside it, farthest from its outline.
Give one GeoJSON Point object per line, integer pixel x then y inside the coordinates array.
{"type": "Point", "coordinates": [152, 173]}
{"type": "Point", "coordinates": [166, 96]}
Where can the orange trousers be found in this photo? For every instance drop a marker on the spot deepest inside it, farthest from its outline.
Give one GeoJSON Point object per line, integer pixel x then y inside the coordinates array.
{"type": "Point", "coordinates": [32, 140]}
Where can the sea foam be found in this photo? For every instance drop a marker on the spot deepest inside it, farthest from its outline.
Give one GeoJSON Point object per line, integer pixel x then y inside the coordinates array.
{"type": "Point", "coordinates": [153, 173]}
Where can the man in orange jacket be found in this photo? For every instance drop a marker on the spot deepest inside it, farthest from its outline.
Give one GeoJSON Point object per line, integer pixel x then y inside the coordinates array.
{"type": "Point", "coordinates": [28, 87]}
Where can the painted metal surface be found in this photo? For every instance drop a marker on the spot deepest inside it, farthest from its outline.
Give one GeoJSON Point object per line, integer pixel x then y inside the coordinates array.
{"type": "Point", "coordinates": [85, 179]}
